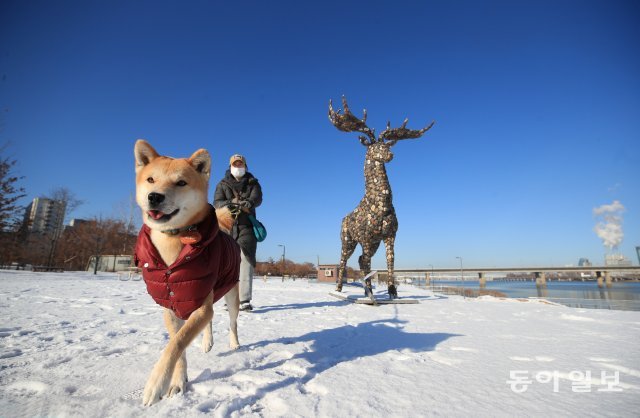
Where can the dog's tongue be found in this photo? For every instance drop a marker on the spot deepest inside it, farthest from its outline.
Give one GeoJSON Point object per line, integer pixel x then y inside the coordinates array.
{"type": "Point", "coordinates": [155, 214]}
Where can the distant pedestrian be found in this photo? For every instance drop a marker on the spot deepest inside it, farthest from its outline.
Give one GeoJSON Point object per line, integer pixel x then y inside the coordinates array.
{"type": "Point", "coordinates": [242, 191]}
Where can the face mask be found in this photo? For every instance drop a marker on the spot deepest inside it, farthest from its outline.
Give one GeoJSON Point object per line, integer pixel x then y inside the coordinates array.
{"type": "Point", "coordinates": [238, 172]}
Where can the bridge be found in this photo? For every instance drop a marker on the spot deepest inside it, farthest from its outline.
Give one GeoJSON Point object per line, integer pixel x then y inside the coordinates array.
{"type": "Point", "coordinates": [603, 273]}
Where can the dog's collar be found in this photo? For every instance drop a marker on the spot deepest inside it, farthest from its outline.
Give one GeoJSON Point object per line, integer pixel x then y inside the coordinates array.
{"type": "Point", "coordinates": [179, 230]}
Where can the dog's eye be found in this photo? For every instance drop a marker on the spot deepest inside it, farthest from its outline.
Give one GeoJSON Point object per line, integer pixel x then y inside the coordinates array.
{"type": "Point", "coordinates": [181, 183]}
{"type": "Point", "coordinates": [150, 180]}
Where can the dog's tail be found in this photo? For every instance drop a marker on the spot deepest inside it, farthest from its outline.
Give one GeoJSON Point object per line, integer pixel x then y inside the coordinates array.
{"type": "Point", "coordinates": [225, 219]}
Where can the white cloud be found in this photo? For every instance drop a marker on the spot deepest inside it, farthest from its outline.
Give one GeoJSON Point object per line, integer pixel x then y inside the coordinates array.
{"type": "Point", "coordinates": [610, 228]}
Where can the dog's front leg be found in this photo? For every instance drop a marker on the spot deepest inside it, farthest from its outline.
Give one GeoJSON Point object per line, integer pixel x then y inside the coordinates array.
{"type": "Point", "coordinates": [179, 377]}
{"type": "Point", "coordinates": [158, 382]}
{"type": "Point", "coordinates": [207, 337]}
{"type": "Point", "coordinates": [232, 298]}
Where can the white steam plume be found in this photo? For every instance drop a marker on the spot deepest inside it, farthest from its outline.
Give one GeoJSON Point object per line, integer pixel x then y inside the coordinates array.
{"type": "Point", "coordinates": [609, 229]}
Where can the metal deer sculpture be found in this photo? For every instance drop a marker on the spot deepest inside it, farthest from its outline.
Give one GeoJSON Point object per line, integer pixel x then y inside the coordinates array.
{"type": "Point", "coordinates": [374, 220]}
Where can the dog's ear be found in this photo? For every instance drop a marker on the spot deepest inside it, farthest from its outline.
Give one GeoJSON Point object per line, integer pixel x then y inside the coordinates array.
{"type": "Point", "coordinates": [144, 154]}
{"type": "Point", "coordinates": [201, 161]}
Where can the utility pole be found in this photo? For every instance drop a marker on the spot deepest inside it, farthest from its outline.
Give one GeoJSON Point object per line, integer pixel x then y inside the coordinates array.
{"type": "Point", "coordinates": [95, 267]}
{"type": "Point", "coordinates": [432, 277]}
{"type": "Point", "coordinates": [462, 277]}
{"type": "Point", "coordinates": [284, 249]}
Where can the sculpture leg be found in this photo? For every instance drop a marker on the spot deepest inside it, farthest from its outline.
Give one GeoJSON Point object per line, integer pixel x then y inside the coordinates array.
{"type": "Point", "coordinates": [368, 250]}
{"type": "Point", "coordinates": [348, 247]}
{"type": "Point", "coordinates": [365, 268]}
{"type": "Point", "coordinates": [391, 286]}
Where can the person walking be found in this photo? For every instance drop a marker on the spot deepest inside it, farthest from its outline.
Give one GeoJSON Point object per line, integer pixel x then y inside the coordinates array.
{"type": "Point", "coordinates": [242, 191]}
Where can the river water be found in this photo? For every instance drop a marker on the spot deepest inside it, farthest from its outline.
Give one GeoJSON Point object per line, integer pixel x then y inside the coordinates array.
{"type": "Point", "coordinates": [620, 296]}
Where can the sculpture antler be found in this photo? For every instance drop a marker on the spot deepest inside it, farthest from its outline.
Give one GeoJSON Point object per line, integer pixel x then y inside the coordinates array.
{"type": "Point", "coordinates": [396, 134]}
{"type": "Point", "coordinates": [347, 122]}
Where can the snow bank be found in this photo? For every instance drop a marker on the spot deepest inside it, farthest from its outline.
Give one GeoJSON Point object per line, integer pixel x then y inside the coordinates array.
{"type": "Point", "coordinates": [75, 344]}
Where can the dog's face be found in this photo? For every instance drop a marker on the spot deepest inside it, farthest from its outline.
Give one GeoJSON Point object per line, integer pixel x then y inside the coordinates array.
{"type": "Point", "coordinates": [171, 192]}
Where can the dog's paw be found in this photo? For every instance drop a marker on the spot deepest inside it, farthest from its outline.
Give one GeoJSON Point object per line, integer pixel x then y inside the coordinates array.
{"type": "Point", "coordinates": [234, 344]}
{"type": "Point", "coordinates": [178, 380]}
{"type": "Point", "coordinates": [156, 386]}
{"type": "Point", "coordinates": [176, 389]}
{"type": "Point", "coordinates": [152, 393]}
{"type": "Point", "coordinates": [207, 345]}
{"type": "Point", "coordinates": [178, 385]}
{"type": "Point", "coordinates": [207, 340]}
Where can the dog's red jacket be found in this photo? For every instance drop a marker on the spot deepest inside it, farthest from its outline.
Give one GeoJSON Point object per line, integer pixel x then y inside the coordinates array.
{"type": "Point", "coordinates": [211, 264]}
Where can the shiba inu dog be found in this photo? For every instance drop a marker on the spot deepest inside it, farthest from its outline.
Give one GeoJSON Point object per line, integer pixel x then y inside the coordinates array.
{"type": "Point", "coordinates": [187, 263]}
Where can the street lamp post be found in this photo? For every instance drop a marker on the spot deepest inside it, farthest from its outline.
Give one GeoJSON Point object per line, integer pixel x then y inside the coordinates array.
{"type": "Point", "coordinates": [431, 278]}
{"type": "Point", "coordinates": [462, 277]}
{"type": "Point", "coordinates": [95, 267]}
{"type": "Point", "coordinates": [284, 249]}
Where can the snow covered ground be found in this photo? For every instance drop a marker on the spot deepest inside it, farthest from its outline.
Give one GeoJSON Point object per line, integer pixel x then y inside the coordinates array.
{"type": "Point", "coordinates": [74, 344]}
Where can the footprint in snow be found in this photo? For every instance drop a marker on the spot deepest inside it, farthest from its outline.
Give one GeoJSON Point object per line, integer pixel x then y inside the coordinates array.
{"type": "Point", "coordinates": [316, 388]}
{"type": "Point", "coordinates": [438, 358]}
{"type": "Point", "coordinates": [57, 362]}
{"type": "Point", "coordinates": [469, 350]}
{"type": "Point", "coordinates": [275, 405]}
{"type": "Point", "coordinates": [11, 331]}
{"type": "Point", "coordinates": [576, 318]}
{"type": "Point", "coordinates": [70, 390]}
{"type": "Point", "coordinates": [542, 359]}
{"type": "Point", "coordinates": [602, 359]}
{"type": "Point", "coordinates": [10, 353]}
{"type": "Point", "coordinates": [252, 380]}
{"type": "Point", "coordinates": [28, 386]}
{"type": "Point", "coordinates": [294, 369]}
{"type": "Point", "coordinates": [208, 406]}
{"type": "Point", "coordinates": [113, 352]}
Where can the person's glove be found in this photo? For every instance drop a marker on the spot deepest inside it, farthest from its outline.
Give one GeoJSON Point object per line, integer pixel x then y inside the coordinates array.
{"type": "Point", "coordinates": [245, 204]}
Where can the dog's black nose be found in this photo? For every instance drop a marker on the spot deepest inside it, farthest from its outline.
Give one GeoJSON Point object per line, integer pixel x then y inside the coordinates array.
{"type": "Point", "coordinates": [155, 198]}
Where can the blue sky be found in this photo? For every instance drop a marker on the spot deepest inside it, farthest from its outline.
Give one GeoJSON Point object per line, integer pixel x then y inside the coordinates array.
{"type": "Point", "coordinates": [537, 109]}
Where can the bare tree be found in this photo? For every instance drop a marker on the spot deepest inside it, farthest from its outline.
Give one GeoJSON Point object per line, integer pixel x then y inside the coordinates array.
{"type": "Point", "coordinates": [10, 210]}
{"type": "Point", "coordinates": [10, 192]}
{"type": "Point", "coordinates": [69, 198]}
{"type": "Point", "coordinates": [98, 236]}
{"type": "Point", "coordinates": [129, 213]}
{"type": "Point", "coordinates": [275, 268]}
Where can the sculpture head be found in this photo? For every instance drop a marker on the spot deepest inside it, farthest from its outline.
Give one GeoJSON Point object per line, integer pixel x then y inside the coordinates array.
{"type": "Point", "coordinates": [379, 152]}
{"type": "Point", "coordinates": [378, 148]}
